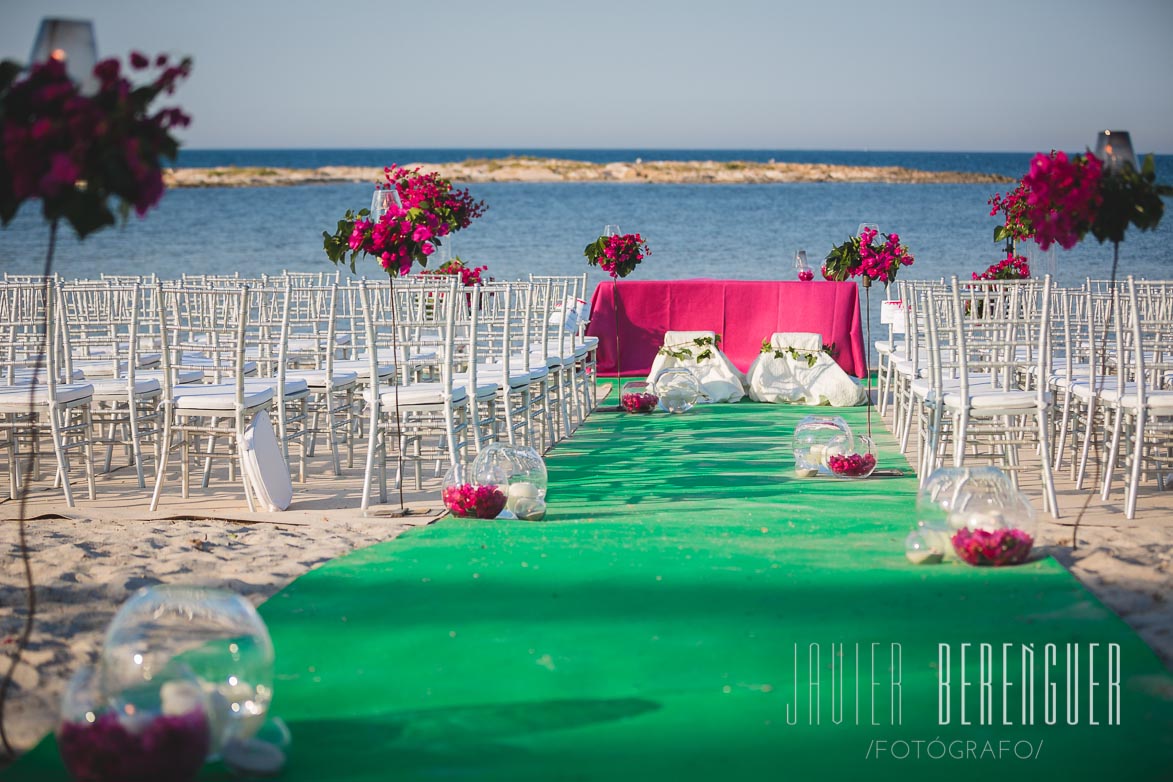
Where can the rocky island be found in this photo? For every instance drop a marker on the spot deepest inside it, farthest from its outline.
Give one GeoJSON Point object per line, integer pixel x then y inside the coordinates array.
{"type": "Point", "coordinates": [533, 169]}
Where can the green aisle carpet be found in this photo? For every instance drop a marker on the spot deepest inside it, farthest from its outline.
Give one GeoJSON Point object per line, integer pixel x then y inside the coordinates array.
{"type": "Point", "coordinates": [648, 631]}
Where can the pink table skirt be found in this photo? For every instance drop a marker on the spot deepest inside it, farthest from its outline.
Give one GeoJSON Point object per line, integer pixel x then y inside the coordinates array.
{"type": "Point", "coordinates": [743, 312]}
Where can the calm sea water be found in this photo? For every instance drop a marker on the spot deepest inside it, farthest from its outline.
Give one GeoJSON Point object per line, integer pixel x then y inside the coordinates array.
{"type": "Point", "coordinates": [729, 231]}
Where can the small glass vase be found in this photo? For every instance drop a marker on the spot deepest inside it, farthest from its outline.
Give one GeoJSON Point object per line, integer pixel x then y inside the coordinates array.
{"type": "Point", "coordinates": [802, 268]}
{"type": "Point", "coordinates": [851, 456]}
{"type": "Point", "coordinates": [812, 436]}
{"type": "Point", "coordinates": [975, 514]}
{"type": "Point", "coordinates": [520, 472]}
{"type": "Point", "coordinates": [215, 633]}
{"type": "Point", "coordinates": [465, 498]}
{"type": "Point", "coordinates": [677, 390]}
{"type": "Point", "coordinates": [638, 396]}
{"type": "Point", "coordinates": [159, 729]}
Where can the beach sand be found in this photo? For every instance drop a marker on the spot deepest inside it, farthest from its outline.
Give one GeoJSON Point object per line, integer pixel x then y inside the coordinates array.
{"type": "Point", "coordinates": [86, 561]}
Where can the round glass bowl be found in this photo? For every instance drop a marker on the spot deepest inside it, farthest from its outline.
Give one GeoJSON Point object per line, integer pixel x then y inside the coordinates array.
{"type": "Point", "coordinates": [637, 396]}
{"type": "Point", "coordinates": [465, 498]}
{"type": "Point", "coordinates": [977, 515]}
{"type": "Point", "coordinates": [812, 435]}
{"type": "Point", "coordinates": [216, 634]}
{"type": "Point", "coordinates": [519, 471]}
{"type": "Point", "coordinates": [157, 729]}
{"type": "Point", "coordinates": [851, 456]}
{"type": "Point", "coordinates": [677, 389]}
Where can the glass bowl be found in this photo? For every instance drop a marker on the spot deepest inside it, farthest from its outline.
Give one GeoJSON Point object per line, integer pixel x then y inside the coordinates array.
{"type": "Point", "coordinates": [520, 472]}
{"type": "Point", "coordinates": [851, 456]}
{"type": "Point", "coordinates": [977, 515]}
{"type": "Point", "coordinates": [637, 396]}
{"type": "Point", "coordinates": [217, 634]}
{"type": "Point", "coordinates": [677, 389]}
{"type": "Point", "coordinates": [465, 498]}
{"type": "Point", "coordinates": [811, 437]}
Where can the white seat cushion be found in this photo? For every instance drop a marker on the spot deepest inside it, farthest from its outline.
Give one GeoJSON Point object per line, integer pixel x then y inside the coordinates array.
{"type": "Point", "coordinates": [293, 386]}
{"type": "Point", "coordinates": [418, 394]}
{"type": "Point", "coordinates": [218, 397]}
{"type": "Point", "coordinates": [317, 380]}
{"type": "Point", "coordinates": [995, 400]}
{"type": "Point", "coordinates": [109, 388]}
{"type": "Point", "coordinates": [362, 368]}
{"type": "Point", "coordinates": [18, 397]}
{"type": "Point", "coordinates": [183, 376]}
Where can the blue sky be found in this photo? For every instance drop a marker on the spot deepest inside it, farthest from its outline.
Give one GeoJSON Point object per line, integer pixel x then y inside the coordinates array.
{"type": "Point", "coordinates": [1013, 75]}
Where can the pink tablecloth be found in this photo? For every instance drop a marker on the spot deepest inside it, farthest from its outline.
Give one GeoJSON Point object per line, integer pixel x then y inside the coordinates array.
{"type": "Point", "coordinates": [743, 312]}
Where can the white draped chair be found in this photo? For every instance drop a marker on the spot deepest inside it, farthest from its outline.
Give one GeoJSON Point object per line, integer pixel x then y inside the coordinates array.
{"type": "Point", "coordinates": [700, 353]}
{"type": "Point", "coordinates": [793, 367]}
{"type": "Point", "coordinates": [204, 329]}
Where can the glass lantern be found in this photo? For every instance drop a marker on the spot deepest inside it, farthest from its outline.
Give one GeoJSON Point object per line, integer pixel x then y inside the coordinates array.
{"type": "Point", "coordinates": [638, 396]}
{"type": "Point", "coordinates": [812, 436]}
{"type": "Point", "coordinates": [215, 633]}
{"type": "Point", "coordinates": [851, 456]}
{"type": "Point", "coordinates": [977, 515]}
{"type": "Point", "coordinates": [520, 473]}
{"type": "Point", "coordinates": [150, 730]}
{"type": "Point", "coordinates": [466, 498]}
{"type": "Point", "coordinates": [677, 390]}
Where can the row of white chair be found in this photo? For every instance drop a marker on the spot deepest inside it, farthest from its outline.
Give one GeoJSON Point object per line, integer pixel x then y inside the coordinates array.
{"type": "Point", "coordinates": [986, 368]}
{"type": "Point", "coordinates": [419, 368]}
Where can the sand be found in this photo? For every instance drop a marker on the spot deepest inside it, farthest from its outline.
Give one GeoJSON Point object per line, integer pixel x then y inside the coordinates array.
{"type": "Point", "coordinates": [87, 560]}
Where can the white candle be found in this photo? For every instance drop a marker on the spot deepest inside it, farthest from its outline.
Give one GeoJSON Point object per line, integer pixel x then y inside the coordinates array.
{"type": "Point", "coordinates": [523, 490]}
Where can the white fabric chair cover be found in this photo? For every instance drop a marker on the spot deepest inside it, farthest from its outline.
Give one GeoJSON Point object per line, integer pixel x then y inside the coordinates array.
{"type": "Point", "coordinates": [719, 379]}
{"type": "Point", "coordinates": [796, 380]}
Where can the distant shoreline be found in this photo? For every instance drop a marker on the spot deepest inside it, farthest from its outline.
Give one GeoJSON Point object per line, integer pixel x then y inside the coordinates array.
{"type": "Point", "coordinates": [535, 169]}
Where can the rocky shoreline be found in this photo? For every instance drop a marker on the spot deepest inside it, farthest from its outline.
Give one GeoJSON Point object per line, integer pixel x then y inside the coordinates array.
{"type": "Point", "coordinates": [531, 169]}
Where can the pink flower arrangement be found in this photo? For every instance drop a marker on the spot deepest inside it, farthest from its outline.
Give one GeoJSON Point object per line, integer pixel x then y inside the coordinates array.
{"type": "Point", "coordinates": [805, 275]}
{"type": "Point", "coordinates": [1062, 197]}
{"type": "Point", "coordinates": [75, 152]}
{"type": "Point", "coordinates": [408, 232]}
{"type": "Point", "coordinates": [105, 750]}
{"type": "Point", "coordinates": [997, 547]}
{"type": "Point", "coordinates": [863, 256]}
{"type": "Point", "coordinates": [474, 500]}
{"type": "Point", "coordinates": [617, 255]}
{"type": "Point", "coordinates": [1012, 267]}
{"type": "Point", "coordinates": [852, 465]}
{"type": "Point", "coordinates": [639, 402]}
{"type": "Point", "coordinates": [469, 276]}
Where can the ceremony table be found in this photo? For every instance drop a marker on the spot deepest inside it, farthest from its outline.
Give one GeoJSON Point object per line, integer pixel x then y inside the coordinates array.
{"type": "Point", "coordinates": [743, 312]}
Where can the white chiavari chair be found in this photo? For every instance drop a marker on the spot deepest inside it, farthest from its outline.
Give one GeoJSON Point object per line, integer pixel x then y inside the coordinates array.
{"type": "Point", "coordinates": [978, 334]}
{"type": "Point", "coordinates": [204, 328]}
{"type": "Point", "coordinates": [34, 358]}
{"type": "Point", "coordinates": [412, 417]}
{"type": "Point", "coordinates": [103, 323]}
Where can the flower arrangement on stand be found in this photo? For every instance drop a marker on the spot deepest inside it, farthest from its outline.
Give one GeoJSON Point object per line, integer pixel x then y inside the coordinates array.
{"type": "Point", "coordinates": [618, 255]}
{"type": "Point", "coordinates": [425, 208]}
{"type": "Point", "coordinates": [870, 255]}
{"type": "Point", "coordinates": [864, 257]}
{"type": "Point", "coordinates": [428, 209]}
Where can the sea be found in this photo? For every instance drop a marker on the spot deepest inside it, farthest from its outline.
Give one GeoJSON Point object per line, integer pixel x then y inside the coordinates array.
{"type": "Point", "coordinates": [732, 231]}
